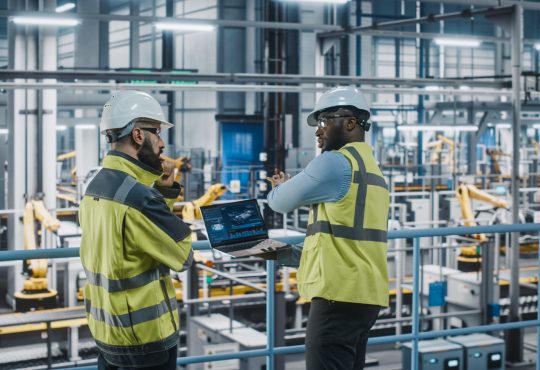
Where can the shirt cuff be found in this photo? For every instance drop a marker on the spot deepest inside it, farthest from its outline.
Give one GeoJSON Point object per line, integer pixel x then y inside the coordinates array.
{"type": "Point", "coordinates": [169, 193]}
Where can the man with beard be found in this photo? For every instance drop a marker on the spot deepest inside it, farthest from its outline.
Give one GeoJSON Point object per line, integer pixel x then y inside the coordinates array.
{"type": "Point", "coordinates": [131, 240]}
{"type": "Point", "coordinates": [342, 268]}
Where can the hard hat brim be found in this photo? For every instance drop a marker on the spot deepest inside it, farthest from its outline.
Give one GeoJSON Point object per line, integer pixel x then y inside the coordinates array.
{"type": "Point", "coordinates": [312, 118]}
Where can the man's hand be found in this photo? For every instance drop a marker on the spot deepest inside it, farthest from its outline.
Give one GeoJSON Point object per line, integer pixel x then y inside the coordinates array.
{"type": "Point", "coordinates": [278, 179]}
{"type": "Point", "coordinates": [167, 179]}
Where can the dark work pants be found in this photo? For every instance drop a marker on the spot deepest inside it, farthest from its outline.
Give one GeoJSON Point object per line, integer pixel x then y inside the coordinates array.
{"type": "Point", "coordinates": [164, 360]}
{"type": "Point", "coordinates": [337, 334]}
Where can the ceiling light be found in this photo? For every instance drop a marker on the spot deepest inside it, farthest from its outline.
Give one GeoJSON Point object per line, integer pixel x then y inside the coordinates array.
{"type": "Point", "coordinates": [4, 131]}
{"type": "Point", "coordinates": [61, 128]}
{"type": "Point", "coordinates": [471, 43]}
{"type": "Point", "coordinates": [536, 126]}
{"type": "Point", "coordinates": [43, 21]}
{"type": "Point", "coordinates": [428, 127]}
{"type": "Point", "coordinates": [318, 1]}
{"type": "Point", "coordinates": [85, 127]}
{"type": "Point", "coordinates": [537, 46]}
{"type": "Point", "coordinates": [432, 88]}
{"type": "Point", "coordinates": [381, 118]}
{"type": "Point", "coordinates": [65, 7]}
{"type": "Point", "coordinates": [193, 27]}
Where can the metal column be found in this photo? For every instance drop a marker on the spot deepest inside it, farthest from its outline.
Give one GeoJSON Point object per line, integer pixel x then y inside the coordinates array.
{"type": "Point", "coordinates": [19, 167]}
{"type": "Point", "coordinates": [514, 338]}
{"type": "Point", "coordinates": [48, 62]}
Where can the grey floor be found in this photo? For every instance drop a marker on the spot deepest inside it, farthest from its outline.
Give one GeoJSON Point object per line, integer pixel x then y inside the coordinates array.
{"type": "Point", "coordinates": [389, 358]}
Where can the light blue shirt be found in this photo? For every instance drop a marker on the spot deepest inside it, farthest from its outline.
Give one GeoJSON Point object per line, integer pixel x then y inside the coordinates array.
{"type": "Point", "coordinates": [326, 178]}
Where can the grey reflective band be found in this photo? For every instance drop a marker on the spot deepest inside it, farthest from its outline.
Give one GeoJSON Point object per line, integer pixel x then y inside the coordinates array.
{"type": "Point", "coordinates": [347, 232]}
{"type": "Point", "coordinates": [118, 285]}
{"type": "Point", "coordinates": [189, 261]}
{"type": "Point", "coordinates": [371, 179]}
{"type": "Point", "coordinates": [123, 190]}
{"type": "Point", "coordinates": [131, 318]}
{"type": "Point", "coordinates": [357, 231]}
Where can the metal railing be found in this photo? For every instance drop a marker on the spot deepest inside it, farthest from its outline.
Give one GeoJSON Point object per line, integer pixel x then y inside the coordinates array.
{"type": "Point", "coordinates": [270, 351]}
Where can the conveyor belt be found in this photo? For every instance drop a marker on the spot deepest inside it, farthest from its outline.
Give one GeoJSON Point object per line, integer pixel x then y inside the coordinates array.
{"type": "Point", "coordinates": [57, 314]}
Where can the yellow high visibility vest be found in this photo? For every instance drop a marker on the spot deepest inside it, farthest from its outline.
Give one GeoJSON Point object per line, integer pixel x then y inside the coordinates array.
{"type": "Point", "coordinates": [344, 254]}
{"type": "Point", "coordinates": [130, 242]}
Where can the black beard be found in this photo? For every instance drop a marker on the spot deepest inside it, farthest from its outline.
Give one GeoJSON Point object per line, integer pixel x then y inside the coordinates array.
{"type": "Point", "coordinates": [148, 157]}
{"type": "Point", "coordinates": [335, 143]}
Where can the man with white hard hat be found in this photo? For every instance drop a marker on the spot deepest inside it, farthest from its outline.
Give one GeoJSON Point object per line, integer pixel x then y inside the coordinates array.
{"type": "Point", "coordinates": [343, 270]}
{"type": "Point", "coordinates": [131, 240]}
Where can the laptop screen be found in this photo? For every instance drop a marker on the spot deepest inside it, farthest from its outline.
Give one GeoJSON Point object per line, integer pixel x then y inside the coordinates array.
{"type": "Point", "coordinates": [234, 222]}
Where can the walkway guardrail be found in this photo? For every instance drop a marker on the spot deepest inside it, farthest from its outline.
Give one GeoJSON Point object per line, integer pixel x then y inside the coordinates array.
{"type": "Point", "coordinates": [270, 351]}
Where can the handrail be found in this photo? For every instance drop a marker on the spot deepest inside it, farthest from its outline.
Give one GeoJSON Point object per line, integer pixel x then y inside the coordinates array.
{"type": "Point", "coordinates": [14, 255]}
{"type": "Point", "coordinates": [270, 351]}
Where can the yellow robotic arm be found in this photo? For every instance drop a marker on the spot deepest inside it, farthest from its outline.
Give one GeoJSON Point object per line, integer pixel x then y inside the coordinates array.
{"type": "Point", "coordinates": [35, 293]}
{"type": "Point", "coordinates": [465, 193]}
{"type": "Point", "coordinates": [182, 164]}
{"type": "Point", "coordinates": [495, 154]}
{"type": "Point", "coordinates": [437, 146]}
{"type": "Point", "coordinates": [192, 210]}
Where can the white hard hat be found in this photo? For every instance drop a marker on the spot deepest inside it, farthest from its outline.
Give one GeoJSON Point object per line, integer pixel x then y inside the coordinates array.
{"type": "Point", "coordinates": [339, 96]}
{"type": "Point", "coordinates": [126, 105]}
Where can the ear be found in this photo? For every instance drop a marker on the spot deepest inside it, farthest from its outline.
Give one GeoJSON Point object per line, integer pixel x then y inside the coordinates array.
{"type": "Point", "coordinates": [351, 124]}
{"type": "Point", "coordinates": [137, 136]}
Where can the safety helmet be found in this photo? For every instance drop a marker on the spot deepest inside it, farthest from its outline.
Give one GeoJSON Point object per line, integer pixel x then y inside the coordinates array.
{"type": "Point", "coordinates": [123, 107]}
{"type": "Point", "coordinates": [340, 96]}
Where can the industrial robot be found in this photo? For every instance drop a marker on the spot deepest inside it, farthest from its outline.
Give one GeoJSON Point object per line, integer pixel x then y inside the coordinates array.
{"type": "Point", "coordinates": [36, 293]}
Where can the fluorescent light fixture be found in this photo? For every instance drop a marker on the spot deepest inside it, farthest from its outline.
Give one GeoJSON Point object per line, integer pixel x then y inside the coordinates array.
{"type": "Point", "coordinates": [61, 128]}
{"type": "Point", "coordinates": [503, 125]}
{"type": "Point", "coordinates": [318, 1]}
{"type": "Point", "coordinates": [428, 127]}
{"type": "Point", "coordinates": [44, 21]}
{"type": "Point", "coordinates": [432, 88]}
{"type": "Point", "coordinates": [537, 46]}
{"type": "Point", "coordinates": [188, 27]}
{"type": "Point", "coordinates": [471, 43]}
{"type": "Point", "coordinates": [86, 127]}
{"type": "Point", "coordinates": [536, 126]}
{"type": "Point", "coordinates": [383, 118]}
{"type": "Point", "coordinates": [65, 7]}
{"type": "Point", "coordinates": [4, 131]}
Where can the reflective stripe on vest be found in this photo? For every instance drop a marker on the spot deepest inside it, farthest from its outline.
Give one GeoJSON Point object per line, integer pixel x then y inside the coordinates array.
{"type": "Point", "coordinates": [357, 231]}
{"type": "Point", "coordinates": [131, 318]}
{"type": "Point", "coordinates": [117, 285]}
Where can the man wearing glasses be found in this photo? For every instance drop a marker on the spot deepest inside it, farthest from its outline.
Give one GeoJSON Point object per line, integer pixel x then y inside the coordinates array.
{"type": "Point", "coordinates": [131, 240]}
{"type": "Point", "coordinates": [343, 270]}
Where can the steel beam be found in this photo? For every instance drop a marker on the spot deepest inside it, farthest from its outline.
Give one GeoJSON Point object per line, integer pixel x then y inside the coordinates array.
{"type": "Point", "coordinates": [153, 19]}
{"type": "Point", "coordinates": [240, 78]}
{"type": "Point", "coordinates": [239, 88]}
{"type": "Point", "coordinates": [524, 4]}
{"type": "Point", "coordinates": [467, 13]}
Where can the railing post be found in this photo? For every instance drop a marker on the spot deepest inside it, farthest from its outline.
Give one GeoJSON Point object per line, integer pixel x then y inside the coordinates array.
{"type": "Point", "coordinates": [270, 311]}
{"type": "Point", "coordinates": [415, 303]}
{"type": "Point", "coordinates": [538, 308]}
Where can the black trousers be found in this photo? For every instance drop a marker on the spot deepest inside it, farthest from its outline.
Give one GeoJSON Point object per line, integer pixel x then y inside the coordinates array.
{"type": "Point", "coordinates": [337, 334]}
{"type": "Point", "coordinates": [164, 360]}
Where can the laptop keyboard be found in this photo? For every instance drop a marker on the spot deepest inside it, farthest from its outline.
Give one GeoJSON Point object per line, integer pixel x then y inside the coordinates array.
{"type": "Point", "coordinates": [270, 245]}
{"type": "Point", "coordinates": [238, 247]}
{"type": "Point", "coordinates": [267, 245]}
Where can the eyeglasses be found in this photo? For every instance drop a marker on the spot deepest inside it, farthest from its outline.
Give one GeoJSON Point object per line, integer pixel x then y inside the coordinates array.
{"type": "Point", "coordinates": [323, 121]}
{"type": "Point", "coordinates": [155, 130]}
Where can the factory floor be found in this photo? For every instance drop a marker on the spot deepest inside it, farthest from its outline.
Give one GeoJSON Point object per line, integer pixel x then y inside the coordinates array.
{"type": "Point", "coordinates": [381, 357]}
{"type": "Point", "coordinates": [389, 358]}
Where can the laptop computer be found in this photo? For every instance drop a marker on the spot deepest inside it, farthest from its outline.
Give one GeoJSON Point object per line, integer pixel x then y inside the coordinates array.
{"type": "Point", "coordinates": [238, 229]}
